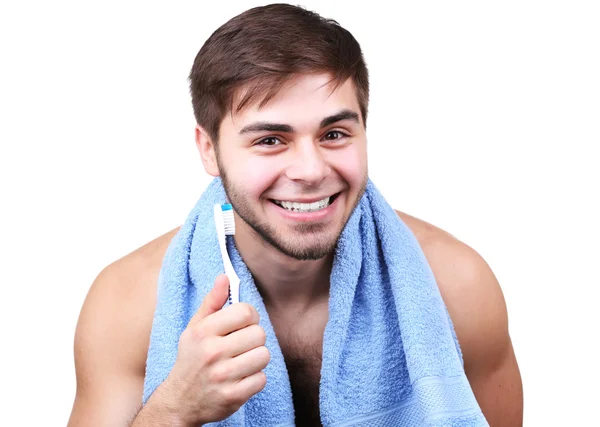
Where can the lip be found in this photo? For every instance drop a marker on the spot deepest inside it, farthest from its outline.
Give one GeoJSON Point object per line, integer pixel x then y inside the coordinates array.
{"type": "Point", "coordinates": [321, 215]}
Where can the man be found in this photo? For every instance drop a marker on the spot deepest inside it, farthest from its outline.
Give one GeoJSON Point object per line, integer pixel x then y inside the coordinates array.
{"type": "Point", "coordinates": [280, 97]}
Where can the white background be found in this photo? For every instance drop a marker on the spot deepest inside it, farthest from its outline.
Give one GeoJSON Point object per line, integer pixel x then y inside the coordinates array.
{"type": "Point", "coordinates": [483, 120]}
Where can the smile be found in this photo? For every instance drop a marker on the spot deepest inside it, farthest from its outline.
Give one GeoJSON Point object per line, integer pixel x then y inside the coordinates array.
{"type": "Point", "coordinates": [305, 207]}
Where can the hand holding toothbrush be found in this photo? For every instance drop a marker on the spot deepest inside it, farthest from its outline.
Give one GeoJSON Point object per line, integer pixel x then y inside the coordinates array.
{"type": "Point", "coordinates": [219, 363]}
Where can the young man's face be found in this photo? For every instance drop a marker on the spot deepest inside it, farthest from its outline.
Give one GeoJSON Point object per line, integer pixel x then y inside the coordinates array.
{"type": "Point", "coordinates": [295, 169]}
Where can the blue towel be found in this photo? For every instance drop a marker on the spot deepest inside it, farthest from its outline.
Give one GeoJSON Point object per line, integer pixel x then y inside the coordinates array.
{"type": "Point", "coordinates": [390, 353]}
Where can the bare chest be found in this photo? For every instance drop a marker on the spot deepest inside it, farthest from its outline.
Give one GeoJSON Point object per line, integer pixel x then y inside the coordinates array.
{"type": "Point", "coordinates": [304, 369]}
{"type": "Point", "coordinates": [302, 350]}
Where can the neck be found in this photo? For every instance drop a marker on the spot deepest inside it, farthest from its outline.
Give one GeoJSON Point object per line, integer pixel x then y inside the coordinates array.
{"type": "Point", "coordinates": [285, 283]}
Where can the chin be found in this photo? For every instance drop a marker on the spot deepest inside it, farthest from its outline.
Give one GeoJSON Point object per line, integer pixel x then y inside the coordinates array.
{"type": "Point", "coordinates": [303, 241]}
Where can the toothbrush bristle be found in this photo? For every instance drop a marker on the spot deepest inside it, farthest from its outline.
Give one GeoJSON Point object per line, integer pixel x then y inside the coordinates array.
{"type": "Point", "coordinates": [228, 219]}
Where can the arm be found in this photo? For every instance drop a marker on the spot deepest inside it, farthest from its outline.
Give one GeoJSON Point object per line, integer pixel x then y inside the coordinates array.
{"type": "Point", "coordinates": [111, 341]}
{"type": "Point", "coordinates": [219, 365]}
{"type": "Point", "coordinates": [478, 311]}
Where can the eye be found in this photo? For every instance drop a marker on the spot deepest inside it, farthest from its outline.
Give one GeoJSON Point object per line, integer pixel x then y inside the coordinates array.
{"type": "Point", "coordinates": [270, 141]}
{"type": "Point", "coordinates": [334, 135]}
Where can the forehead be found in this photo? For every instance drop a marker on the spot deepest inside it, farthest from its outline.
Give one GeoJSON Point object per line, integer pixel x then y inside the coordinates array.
{"type": "Point", "coordinates": [303, 101]}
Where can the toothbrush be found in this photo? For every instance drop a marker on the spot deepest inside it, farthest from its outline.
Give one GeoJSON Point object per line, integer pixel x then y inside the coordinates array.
{"type": "Point", "coordinates": [225, 225]}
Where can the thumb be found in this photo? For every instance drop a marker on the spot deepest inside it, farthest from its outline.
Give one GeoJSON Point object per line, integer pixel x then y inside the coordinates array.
{"type": "Point", "coordinates": [215, 299]}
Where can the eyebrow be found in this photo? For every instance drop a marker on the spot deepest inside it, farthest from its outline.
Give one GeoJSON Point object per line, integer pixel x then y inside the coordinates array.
{"type": "Point", "coordinates": [342, 115]}
{"type": "Point", "coordinates": [279, 127]}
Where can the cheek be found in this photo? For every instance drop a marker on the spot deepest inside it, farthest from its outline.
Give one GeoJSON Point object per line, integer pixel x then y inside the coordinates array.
{"type": "Point", "coordinates": [351, 165]}
{"type": "Point", "coordinates": [254, 174]}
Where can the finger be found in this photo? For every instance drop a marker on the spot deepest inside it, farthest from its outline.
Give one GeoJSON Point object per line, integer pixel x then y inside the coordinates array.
{"type": "Point", "coordinates": [246, 364]}
{"type": "Point", "coordinates": [252, 384]}
{"type": "Point", "coordinates": [214, 300]}
{"type": "Point", "coordinates": [251, 362]}
{"type": "Point", "coordinates": [244, 340]}
{"type": "Point", "coordinates": [230, 319]}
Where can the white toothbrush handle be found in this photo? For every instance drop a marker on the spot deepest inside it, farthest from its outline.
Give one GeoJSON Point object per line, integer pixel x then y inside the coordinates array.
{"type": "Point", "coordinates": [234, 281]}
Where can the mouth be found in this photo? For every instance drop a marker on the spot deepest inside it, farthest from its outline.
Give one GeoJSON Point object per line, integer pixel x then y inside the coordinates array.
{"type": "Point", "coordinates": [301, 207]}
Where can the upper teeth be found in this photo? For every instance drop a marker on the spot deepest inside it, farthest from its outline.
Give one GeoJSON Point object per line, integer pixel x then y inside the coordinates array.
{"type": "Point", "coordinates": [304, 207]}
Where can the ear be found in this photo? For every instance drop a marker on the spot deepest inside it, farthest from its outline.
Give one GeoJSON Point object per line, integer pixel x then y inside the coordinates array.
{"type": "Point", "coordinates": [207, 151]}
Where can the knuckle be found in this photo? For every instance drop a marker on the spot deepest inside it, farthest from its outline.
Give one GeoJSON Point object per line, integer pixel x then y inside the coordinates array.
{"type": "Point", "coordinates": [248, 313]}
{"type": "Point", "coordinates": [261, 335]}
{"type": "Point", "coordinates": [232, 397]}
{"type": "Point", "coordinates": [264, 355]}
{"type": "Point", "coordinates": [212, 353]}
{"type": "Point", "coordinates": [261, 380]}
{"type": "Point", "coordinates": [197, 332]}
{"type": "Point", "coordinates": [219, 374]}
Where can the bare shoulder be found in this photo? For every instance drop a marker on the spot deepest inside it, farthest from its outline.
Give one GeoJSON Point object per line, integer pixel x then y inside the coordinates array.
{"type": "Point", "coordinates": [123, 297]}
{"type": "Point", "coordinates": [478, 310]}
{"type": "Point", "coordinates": [467, 284]}
{"type": "Point", "coordinates": [113, 333]}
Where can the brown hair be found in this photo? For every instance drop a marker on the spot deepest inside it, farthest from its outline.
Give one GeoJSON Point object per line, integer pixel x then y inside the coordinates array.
{"type": "Point", "coordinates": [263, 48]}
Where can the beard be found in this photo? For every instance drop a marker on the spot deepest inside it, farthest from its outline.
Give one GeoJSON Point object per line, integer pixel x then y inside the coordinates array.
{"type": "Point", "coordinates": [308, 242]}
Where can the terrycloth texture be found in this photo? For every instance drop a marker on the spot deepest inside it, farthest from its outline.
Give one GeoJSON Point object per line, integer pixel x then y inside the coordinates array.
{"type": "Point", "coordinates": [390, 355]}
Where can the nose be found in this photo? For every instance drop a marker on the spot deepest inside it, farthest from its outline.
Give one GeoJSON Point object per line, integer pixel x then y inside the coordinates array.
{"type": "Point", "coordinates": [307, 164]}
